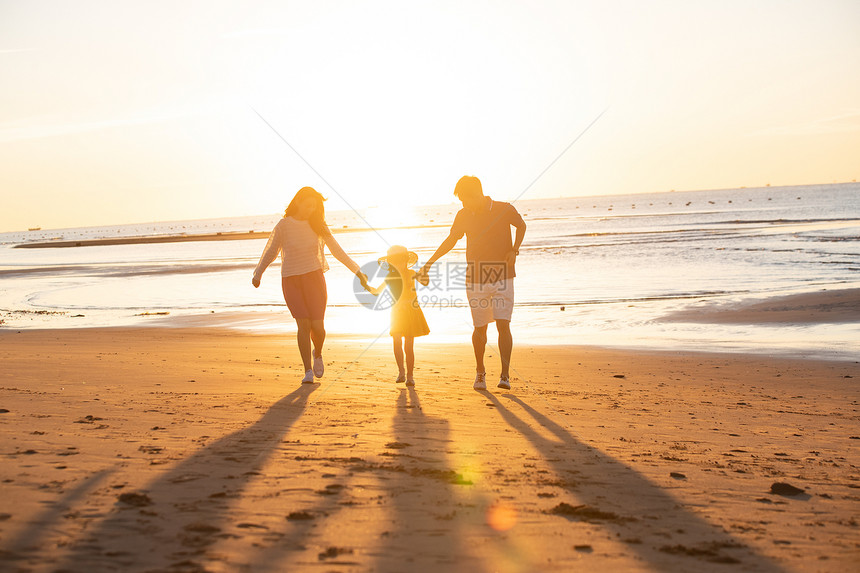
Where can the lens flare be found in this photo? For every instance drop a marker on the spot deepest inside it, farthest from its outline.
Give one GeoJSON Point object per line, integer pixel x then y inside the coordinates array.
{"type": "Point", "coordinates": [501, 516]}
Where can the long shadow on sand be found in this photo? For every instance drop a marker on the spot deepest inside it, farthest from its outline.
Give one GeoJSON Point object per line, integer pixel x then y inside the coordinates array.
{"type": "Point", "coordinates": [29, 540]}
{"type": "Point", "coordinates": [178, 516]}
{"type": "Point", "coordinates": [617, 498]}
{"type": "Point", "coordinates": [424, 533]}
{"type": "Point", "coordinates": [421, 530]}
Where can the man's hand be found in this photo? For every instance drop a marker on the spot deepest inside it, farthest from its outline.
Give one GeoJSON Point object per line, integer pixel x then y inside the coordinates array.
{"type": "Point", "coordinates": [256, 282]}
{"type": "Point", "coordinates": [510, 258]}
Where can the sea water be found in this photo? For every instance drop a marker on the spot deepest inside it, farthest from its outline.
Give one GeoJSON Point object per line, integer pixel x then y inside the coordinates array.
{"type": "Point", "coordinates": [592, 270]}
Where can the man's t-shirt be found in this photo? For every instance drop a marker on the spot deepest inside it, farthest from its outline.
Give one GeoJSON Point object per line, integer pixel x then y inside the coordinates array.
{"type": "Point", "coordinates": [488, 241]}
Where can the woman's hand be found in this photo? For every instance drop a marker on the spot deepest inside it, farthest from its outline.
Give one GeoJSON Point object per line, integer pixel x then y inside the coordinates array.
{"type": "Point", "coordinates": [362, 278]}
{"type": "Point", "coordinates": [256, 282]}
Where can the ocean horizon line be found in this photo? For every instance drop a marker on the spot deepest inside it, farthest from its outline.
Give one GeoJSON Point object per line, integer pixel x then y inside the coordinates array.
{"type": "Point", "coordinates": [454, 204]}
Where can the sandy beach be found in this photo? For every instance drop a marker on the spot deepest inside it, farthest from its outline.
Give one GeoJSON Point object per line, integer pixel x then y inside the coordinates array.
{"type": "Point", "coordinates": [198, 450]}
{"type": "Point", "coordinates": [659, 201]}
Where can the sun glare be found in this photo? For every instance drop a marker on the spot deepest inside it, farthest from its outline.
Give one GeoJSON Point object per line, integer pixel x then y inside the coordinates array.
{"type": "Point", "coordinates": [391, 214]}
{"type": "Point", "coordinates": [501, 516]}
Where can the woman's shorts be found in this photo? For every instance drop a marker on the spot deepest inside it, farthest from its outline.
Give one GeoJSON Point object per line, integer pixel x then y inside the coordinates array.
{"type": "Point", "coordinates": [306, 295]}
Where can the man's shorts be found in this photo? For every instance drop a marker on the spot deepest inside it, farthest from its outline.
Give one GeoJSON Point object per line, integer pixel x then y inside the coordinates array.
{"type": "Point", "coordinates": [491, 301]}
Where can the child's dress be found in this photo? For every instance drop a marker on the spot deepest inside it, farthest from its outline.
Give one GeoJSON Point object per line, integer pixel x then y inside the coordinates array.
{"type": "Point", "coordinates": [407, 318]}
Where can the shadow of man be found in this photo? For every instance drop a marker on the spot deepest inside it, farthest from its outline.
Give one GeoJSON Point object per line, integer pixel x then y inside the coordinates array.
{"type": "Point", "coordinates": [181, 513]}
{"type": "Point", "coordinates": [661, 532]}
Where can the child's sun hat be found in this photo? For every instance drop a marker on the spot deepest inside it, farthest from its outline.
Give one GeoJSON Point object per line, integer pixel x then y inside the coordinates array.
{"type": "Point", "coordinates": [395, 250]}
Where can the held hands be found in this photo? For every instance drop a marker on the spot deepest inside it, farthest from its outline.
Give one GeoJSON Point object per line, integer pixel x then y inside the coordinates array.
{"type": "Point", "coordinates": [362, 278]}
{"type": "Point", "coordinates": [422, 276]}
{"type": "Point", "coordinates": [256, 282]}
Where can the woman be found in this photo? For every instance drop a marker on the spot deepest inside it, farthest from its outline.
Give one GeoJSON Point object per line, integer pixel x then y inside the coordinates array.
{"type": "Point", "coordinates": [300, 237]}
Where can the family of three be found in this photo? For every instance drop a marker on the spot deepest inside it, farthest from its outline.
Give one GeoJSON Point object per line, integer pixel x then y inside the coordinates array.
{"type": "Point", "coordinates": [302, 234]}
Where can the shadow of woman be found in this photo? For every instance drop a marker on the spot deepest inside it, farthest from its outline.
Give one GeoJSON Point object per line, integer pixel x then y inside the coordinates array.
{"type": "Point", "coordinates": [30, 540]}
{"type": "Point", "coordinates": [660, 532]}
{"type": "Point", "coordinates": [181, 513]}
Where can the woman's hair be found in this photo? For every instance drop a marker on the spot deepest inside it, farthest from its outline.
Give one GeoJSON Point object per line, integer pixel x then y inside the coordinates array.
{"type": "Point", "coordinates": [317, 218]}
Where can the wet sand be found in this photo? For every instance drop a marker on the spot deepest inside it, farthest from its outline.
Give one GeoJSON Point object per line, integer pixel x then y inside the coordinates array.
{"type": "Point", "coordinates": [822, 307]}
{"type": "Point", "coordinates": [198, 450]}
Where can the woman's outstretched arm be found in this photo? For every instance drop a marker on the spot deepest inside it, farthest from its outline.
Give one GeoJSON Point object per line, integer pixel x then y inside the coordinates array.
{"type": "Point", "coordinates": [341, 256]}
{"type": "Point", "coordinates": [270, 253]}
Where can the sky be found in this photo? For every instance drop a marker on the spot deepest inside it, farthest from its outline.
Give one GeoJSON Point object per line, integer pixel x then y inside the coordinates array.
{"type": "Point", "coordinates": [118, 112]}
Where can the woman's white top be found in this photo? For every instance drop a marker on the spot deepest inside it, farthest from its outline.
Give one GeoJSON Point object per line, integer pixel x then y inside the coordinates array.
{"type": "Point", "coordinates": [300, 247]}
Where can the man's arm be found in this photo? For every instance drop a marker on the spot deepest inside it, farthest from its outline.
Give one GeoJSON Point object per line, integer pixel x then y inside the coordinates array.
{"type": "Point", "coordinates": [520, 225]}
{"type": "Point", "coordinates": [446, 246]}
{"type": "Point", "coordinates": [521, 233]}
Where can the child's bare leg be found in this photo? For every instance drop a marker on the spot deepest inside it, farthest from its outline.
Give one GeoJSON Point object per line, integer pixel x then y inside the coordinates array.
{"type": "Point", "coordinates": [398, 356]}
{"type": "Point", "coordinates": [410, 356]}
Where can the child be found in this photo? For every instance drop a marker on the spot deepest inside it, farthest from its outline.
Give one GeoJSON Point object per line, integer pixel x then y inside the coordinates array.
{"type": "Point", "coordinates": [407, 319]}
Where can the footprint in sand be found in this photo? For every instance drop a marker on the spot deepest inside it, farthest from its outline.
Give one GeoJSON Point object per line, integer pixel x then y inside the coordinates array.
{"type": "Point", "coordinates": [397, 445]}
{"type": "Point", "coordinates": [781, 488]}
{"type": "Point", "coordinates": [135, 499]}
{"type": "Point", "coordinates": [587, 513]}
{"type": "Point", "coordinates": [251, 526]}
{"type": "Point", "coordinates": [199, 527]}
{"type": "Point", "coordinates": [706, 551]}
{"type": "Point", "coordinates": [333, 552]}
{"type": "Point", "coordinates": [330, 489]}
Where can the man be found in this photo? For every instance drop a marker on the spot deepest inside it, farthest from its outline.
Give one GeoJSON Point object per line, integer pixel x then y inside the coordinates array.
{"type": "Point", "coordinates": [490, 257]}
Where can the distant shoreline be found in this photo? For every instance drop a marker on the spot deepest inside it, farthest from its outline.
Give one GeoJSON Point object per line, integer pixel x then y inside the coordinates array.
{"type": "Point", "coordinates": [181, 238]}
{"type": "Point", "coordinates": [620, 198]}
{"type": "Point", "coordinates": [224, 236]}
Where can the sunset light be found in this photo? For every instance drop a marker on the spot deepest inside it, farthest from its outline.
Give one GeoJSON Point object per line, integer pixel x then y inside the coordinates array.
{"type": "Point", "coordinates": [144, 118]}
{"type": "Point", "coordinates": [455, 286]}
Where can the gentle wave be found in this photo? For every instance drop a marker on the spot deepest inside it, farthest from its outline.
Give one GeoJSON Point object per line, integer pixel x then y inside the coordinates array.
{"type": "Point", "coordinates": [615, 274]}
